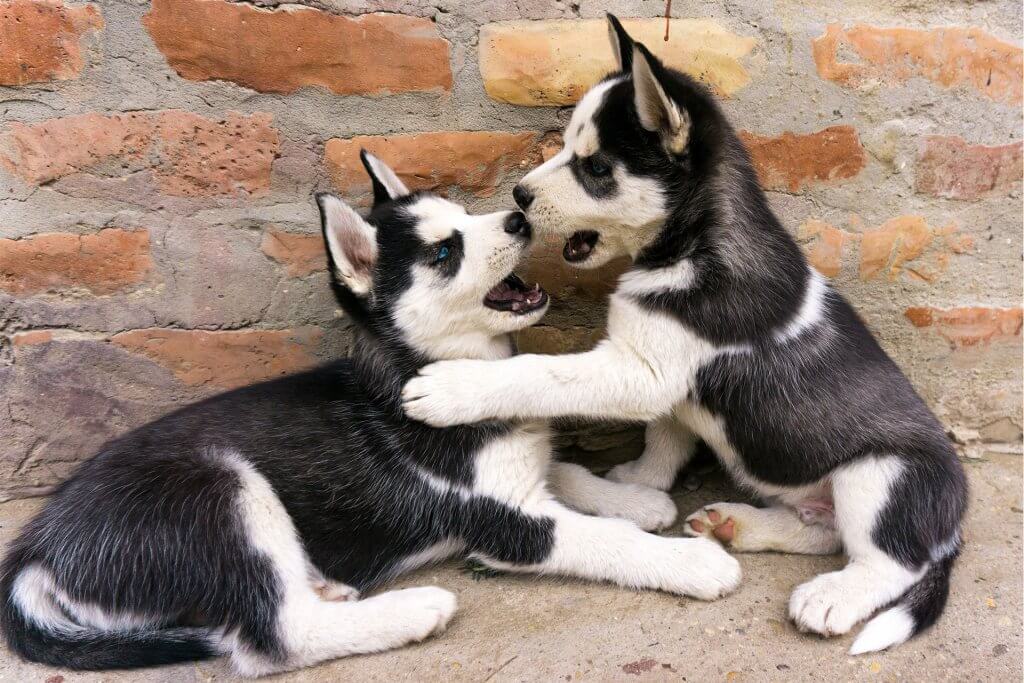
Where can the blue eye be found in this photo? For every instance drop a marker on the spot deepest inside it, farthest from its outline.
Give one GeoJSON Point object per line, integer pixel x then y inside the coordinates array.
{"type": "Point", "coordinates": [442, 254]}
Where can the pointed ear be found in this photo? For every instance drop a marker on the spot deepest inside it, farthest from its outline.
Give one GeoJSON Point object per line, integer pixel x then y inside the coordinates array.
{"type": "Point", "coordinates": [386, 185]}
{"type": "Point", "coordinates": [622, 44]}
{"type": "Point", "coordinates": [658, 113]}
{"type": "Point", "coordinates": [351, 244]}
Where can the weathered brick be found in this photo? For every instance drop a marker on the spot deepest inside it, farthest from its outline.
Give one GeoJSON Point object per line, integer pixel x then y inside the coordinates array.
{"type": "Point", "coordinates": [41, 40]}
{"type": "Point", "coordinates": [947, 166]}
{"type": "Point", "coordinates": [473, 161]}
{"type": "Point", "coordinates": [300, 254]}
{"type": "Point", "coordinates": [824, 247]}
{"type": "Point", "coordinates": [282, 50]}
{"type": "Point", "coordinates": [905, 245]}
{"type": "Point", "coordinates": [545, 63]}
{"type": "Point", "coordinates": [185, 154]}
{"type": "Point", "coordinates": [32, 337]}
{"type": "Point", "coordinates": [792, 161]}
{"type": "Point", "coordinates": [101, 263]}
{"type": "Point", "coordinates": [949, 56]}
{"type": "Point", "coordinates": [230, 358]}
{"type": "Point", "coordinates": [908, 245]}
{"type": "Point", "coordinates": [969, 326]}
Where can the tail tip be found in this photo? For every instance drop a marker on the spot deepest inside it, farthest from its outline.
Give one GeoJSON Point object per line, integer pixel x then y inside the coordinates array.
{"type": "Point", "coordinates": [889, 628]}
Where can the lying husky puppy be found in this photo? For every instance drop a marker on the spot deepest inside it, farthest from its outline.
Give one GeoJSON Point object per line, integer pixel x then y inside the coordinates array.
{"type": "Point", "coordinates": [244, 523]}
{"type": "Point", "coordinates": [721, 331]}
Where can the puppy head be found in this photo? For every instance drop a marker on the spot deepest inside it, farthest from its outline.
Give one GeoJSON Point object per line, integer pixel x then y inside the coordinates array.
{"type": "Point", "coordinates": [636, 142]}
{"type": "Point", "coordinates": [421, 267]}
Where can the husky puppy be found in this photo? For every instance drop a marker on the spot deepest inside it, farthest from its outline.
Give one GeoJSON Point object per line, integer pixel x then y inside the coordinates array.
{"type": "Point", "coordinates": [720, 331]}
{"type": "Point", "coordinates": [250, 523]}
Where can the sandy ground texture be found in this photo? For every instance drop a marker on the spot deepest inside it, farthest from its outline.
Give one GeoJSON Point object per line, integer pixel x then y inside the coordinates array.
{"type": "Point", "coordinates": [515, 628]}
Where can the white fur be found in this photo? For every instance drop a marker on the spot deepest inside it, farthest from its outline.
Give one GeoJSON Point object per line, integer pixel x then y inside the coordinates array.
{"type": "Point", "coordinates": [386, 177]}
{"type": "Point", "coordinates": [891, 627]}
{"type": "Point", "coordinates": [314, 630]}
{"type": "Point", "coordinates": [811, 310]}
{"type": "Point", "coordinates": [655, 109]}
{"type": "Point", "coordinates": [668, 447]}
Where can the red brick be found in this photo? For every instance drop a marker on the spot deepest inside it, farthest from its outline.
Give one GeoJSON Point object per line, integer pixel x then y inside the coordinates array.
{"type": "Point", "coordinates": [792, 161]}
{"type": "Point", "coordinates": [224, 358]}
{"type": "Point", "coordinates": [825, 245]}
{"type": "Point", "coordinates": [102, 263]}
{"type": "Point", "coordinates": [474, 161]}
{"type": "Point", "coordinates": [282, 50]}
{"type": "Point", "coordinates": [32, 338]}
{"type": "Point", "coordinates": [41, 40]}
{"type": "Point", "coordinates": [300, 254]}
{"type": "Point", "coordinates": [947, 166]}
{"type": "Point", "coordinates": [950, 56]}
{"type": "Point", "coordinates": [969, 326]}
{"type": "Point", "coordinates": [186, 154]}
{"type": "Point", "coordinates": [908, 245]}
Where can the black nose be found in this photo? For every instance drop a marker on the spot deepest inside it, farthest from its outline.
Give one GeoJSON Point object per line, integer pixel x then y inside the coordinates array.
{"type": "Point", "coordinates": [516, 224]}
{"type": "Point", "coordinates": [522, 196]}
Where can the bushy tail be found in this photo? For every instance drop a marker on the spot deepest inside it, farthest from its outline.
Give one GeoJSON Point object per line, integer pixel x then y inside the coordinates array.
{"type": "Point", "coordinates": [36, 628]}
{"type": "Point", "coordinates": [915, 611]}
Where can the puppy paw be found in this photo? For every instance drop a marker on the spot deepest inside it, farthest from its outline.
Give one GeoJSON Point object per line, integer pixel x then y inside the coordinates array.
{"type": "Point", "coordinates": [719, 522]}
{"type": "Point", "coordinates": [634, 473]}
{"type": "Point", "coordinates": [701, 569]}
{"type": "Point", "coordinates": [444, 394]}
{"type": "Point", "coordinates": [649, 509]}
{"type": "Point", "coordinates": [334, 591]}
{"type": "Point", "coordinates": [830, 604]}
{"type": "Point", "coordinates": [425, 611]}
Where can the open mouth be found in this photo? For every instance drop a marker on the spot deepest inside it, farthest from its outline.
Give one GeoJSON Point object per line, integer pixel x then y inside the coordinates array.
{"type": "Point", "coordinates": [512, 295]}
{"type": "Point", "coordinates": [579, 245]}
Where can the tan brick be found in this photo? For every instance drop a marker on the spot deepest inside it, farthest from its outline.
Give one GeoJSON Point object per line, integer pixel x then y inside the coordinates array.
{"type": "Point", "coordinates": [101, 263]}
{"type": "Point", "coordinates": [552, 63]}
{"type": "Point", "coordinates": [300, 254]}
{"type": "Point", "coordinates": [282, 50]}
{"type": "Point", "coordinates": [824, 246]}
{"type": "Point", "coordinates": [186, 154]}
{"type": "Point", "coordinates": [792, 161]}
{"type": "Point", "coordinates": [224, 358]}
{"type": "Point", "coordinates": [950, 56]}
{"type": "Point", "coordinates": [947, 166]}
{"type": "Point", "coordinates": [473, 161]}
{"type": "Point", "coordinates": [969, 326]}
{"type": "Point", "coordinates": [552, 340]}
{"type": "Point", "coordinates": [41, 40]}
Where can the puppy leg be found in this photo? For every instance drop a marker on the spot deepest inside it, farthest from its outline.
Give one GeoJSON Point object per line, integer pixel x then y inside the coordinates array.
{"type": "Point", "coordinates": [669, 447]}
{"type": "Point", "coordinates": [615, 550]}
{"type": "Point", "coordinates": [580, 489]}
{"type": "Point", "coordinates": [832, 603]}
{"type": "Point", "coordinates": [748, 529]}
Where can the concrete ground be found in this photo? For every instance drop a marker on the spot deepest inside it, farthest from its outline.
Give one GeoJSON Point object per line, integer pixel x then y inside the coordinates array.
{"type": "Point", "coordinates": [515, 628]}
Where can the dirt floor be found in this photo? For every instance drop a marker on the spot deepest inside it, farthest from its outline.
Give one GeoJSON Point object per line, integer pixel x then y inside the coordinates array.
{"type": "Point", "coordinates": [514, 628]}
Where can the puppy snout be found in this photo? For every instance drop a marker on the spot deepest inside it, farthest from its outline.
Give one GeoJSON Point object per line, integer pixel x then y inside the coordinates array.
{"type": "Point", "coordinates": [522, 196]}
{"type": "Point", "coordinates": [516, 224]}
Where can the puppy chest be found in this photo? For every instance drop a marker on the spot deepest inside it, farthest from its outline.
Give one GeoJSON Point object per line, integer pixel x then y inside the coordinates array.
{"type": "Point", "coordinates": [513, 467]}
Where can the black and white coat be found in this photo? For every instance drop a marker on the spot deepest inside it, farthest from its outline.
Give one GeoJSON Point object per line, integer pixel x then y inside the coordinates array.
{"type": "Point", "coordinates": [721, 331]}
{"type": "Point", "coordinates": [252, 523]}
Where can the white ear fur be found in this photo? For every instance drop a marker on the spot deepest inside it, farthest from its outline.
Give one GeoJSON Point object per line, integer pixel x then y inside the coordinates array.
{"type": "Point", "coordinates": [351, 241]}
{"type": "Point", "coordinates": [657, 112]}
{"type": "Point", "coordinates": [382, 174]}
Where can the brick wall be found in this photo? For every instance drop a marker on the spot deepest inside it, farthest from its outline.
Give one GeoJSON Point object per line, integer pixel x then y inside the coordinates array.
{"type": "Point", "coordinates": [158, 242]}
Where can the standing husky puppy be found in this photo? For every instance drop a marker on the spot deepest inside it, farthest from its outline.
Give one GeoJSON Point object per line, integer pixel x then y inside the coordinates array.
{"type": "Point", "coordinates": [249, 523]}
{"type": "Point", "coordinates": [721, 331]}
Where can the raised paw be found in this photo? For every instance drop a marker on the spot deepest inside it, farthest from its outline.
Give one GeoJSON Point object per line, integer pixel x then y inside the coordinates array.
{"type": "Point", "coordinates": [444, 394]}
{"type": "Point", "coordinates": [700, 568]}
{"type": "Point", "coordinates": [334, 591]}
{"type": "Point", "coordinates": [719, 522]}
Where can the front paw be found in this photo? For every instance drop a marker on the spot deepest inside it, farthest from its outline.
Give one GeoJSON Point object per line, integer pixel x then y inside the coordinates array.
{"type": "Point", "coordinates": [701, 569]}
{"type": "Point", "coordinates": [444, 394]}
{"type": "Point", "coordinates": [649, 509]}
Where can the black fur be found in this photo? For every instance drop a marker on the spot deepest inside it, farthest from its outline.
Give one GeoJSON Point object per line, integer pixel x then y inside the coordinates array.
{"type": "Point", "coordinates": [150, 525]}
